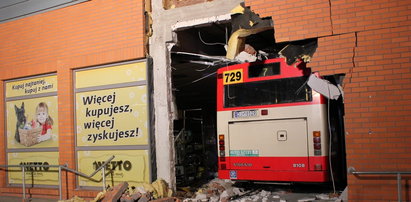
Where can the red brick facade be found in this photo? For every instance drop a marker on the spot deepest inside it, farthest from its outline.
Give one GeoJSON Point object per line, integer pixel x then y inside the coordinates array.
{"type": "Point", "coordinates": [370, 42]}
{"type": "Point", "coordinates": [87, 34]}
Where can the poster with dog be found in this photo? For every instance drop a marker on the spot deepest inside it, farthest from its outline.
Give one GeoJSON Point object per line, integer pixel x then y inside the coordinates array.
{"type": "Point", "coordinates": [32, 123]}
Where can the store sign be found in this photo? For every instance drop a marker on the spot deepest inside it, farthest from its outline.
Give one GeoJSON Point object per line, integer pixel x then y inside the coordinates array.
{"type": "Point", "coordinates": [34, 173]}
{"type": "Point", "coordinates": [127, 166]}
{"type": "Point", "coordinates": [112, 117]}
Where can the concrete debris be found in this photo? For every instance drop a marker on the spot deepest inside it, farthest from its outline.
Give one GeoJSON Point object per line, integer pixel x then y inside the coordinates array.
{"type": "Point", "coordinates": [283, 196]}
{"type": "Point", "coordinates": [322, 197]}
{"type": "Point", "coordinates": [245, 57]}
{"type": "Point", "coordinates": [306, 200]}
{"type": "Point", "coordinates": [216, 190]}
{"type": "Point", "coordinates": [143, 193]}
{"type": "Point", "coordinates": [249, 54]}
{"type": "Point", "coordinates": [344, 195]}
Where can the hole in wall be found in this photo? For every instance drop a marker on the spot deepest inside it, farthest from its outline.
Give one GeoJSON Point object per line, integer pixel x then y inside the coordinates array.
{"type": "Point", "coordinates": [198, 53]}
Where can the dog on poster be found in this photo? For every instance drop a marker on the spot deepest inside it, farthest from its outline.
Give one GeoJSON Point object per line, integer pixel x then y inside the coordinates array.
{"type": "Point", "coordinates": [21, 120]}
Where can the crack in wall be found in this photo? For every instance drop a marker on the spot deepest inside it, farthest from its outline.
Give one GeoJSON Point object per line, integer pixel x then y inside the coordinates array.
{"type": "Point", "coordinates": [354, 49]}
{"type": "Point", "coordinates": [331, 18]}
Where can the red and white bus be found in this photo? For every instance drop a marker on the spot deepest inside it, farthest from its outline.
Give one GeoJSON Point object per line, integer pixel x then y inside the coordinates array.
{"type": "Point", "coordinates": [271, 126]}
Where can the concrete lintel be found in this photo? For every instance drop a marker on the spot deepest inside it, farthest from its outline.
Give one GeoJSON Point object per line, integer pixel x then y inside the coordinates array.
{"type": "Point", "coordinates": [198, 22]}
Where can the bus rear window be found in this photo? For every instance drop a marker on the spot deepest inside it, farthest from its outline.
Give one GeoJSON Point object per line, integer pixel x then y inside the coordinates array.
{"type": "Point", "coordinates": [261, 70]}
{"type": "Point", "coordinates": [267, 92]}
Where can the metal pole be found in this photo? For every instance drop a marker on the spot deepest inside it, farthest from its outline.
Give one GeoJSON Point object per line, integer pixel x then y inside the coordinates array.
{"type": "Point", "coordinates": [60, 189]}
{"type": "Point", "coordinates": [24, 183]}
{"type": "Point", "coordinates": [104, 178]}
{"type": "Point", "coordinates": [399, 186]}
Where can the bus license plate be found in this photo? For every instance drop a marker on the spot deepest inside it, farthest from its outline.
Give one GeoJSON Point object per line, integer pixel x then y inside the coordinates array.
{"type": "Point", "coordinates": [244, 113]}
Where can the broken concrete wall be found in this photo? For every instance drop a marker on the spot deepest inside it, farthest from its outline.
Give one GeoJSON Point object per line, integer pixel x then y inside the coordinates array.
{"type": "Point", "coordinates": [160, 44]}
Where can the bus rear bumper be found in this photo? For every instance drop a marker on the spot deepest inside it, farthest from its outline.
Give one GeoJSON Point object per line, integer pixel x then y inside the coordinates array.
{"type": "Point", "coordinates": [281, 176]}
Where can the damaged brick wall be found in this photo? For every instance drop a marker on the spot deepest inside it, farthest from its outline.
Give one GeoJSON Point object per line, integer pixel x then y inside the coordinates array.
{"type": "Point", "coordinates": [369, 41]}
{"type": "Point", "coordinates": [295, 19]}
{"type": "Point", "coordinates": [91, 33]}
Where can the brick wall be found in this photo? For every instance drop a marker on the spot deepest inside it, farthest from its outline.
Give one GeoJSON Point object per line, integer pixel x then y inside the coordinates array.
{"type": "Point", "coordinates": [370, 42]}
{"type": "Point", "coordinates": [170, 4]}
{"type": "Point", "coordinates": [295, 19]}
{"type": "Point", "coordinates": [87, 34]}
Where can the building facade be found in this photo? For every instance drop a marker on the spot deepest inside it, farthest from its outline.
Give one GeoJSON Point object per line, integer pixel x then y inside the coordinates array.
{"type": "Point", "coordinates": [368, 42]}
{"type": "Point", "coordinates": [44, 54]}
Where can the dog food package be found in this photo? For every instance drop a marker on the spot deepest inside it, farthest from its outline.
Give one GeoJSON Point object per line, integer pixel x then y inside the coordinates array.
{"type": "Point", "coordinates": [29, 137]}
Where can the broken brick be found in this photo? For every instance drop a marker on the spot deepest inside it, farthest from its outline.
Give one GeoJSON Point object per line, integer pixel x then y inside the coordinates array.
{"type": "Point", "coordinates": [115, 194]}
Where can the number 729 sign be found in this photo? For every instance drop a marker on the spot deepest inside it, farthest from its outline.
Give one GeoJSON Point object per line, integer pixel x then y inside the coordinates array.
{"type": "Point", "coordinates": [233, 76]}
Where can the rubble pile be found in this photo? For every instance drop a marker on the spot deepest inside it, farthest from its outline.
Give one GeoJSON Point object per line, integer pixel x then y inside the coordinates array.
{"type": "Point", "coordinates": [216, 190]}
{"type": "Point", "coordinates": [158, 190]}
{"type": "Point", "coordinates": [219, 190]}
{"type": "Point", "coordinates": [281, 196]}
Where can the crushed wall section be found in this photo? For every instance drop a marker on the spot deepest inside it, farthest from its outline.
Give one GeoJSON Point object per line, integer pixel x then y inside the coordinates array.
{"type": "Point", "coordinates": [369, 42]}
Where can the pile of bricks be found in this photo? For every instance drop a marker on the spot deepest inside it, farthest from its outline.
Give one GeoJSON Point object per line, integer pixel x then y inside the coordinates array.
{"type": "Point", "coordinates": [157, 191]}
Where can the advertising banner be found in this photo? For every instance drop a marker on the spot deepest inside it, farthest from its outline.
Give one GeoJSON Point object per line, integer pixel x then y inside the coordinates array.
{"type": "Point", "coordinates": [111, 75]}
{"type": "Point", "coordinates": [128, 166]}
{"type": "Point", "coordinates": [112, 117]}
{"type": "Point", "coordinates": [32, 123]}
{"type": "Point", "coordinates": [112, 112]}
{"type": "Point", "coordinates": [32, 86]}
{"type": "Point", "coordinates": [34, 174]}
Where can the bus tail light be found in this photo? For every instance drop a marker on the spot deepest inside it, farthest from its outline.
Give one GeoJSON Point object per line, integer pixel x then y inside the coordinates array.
{"type": "Point", "coordinates": [264, 112]}
{"type": "Point", "coordinates": [223, 167]}
{"type": "Point", "coordinates": [221, 145]}
{"type": "Point", "coordinates": [317, 143]}
{"type": "Point", "coordinates": [221, 148]}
